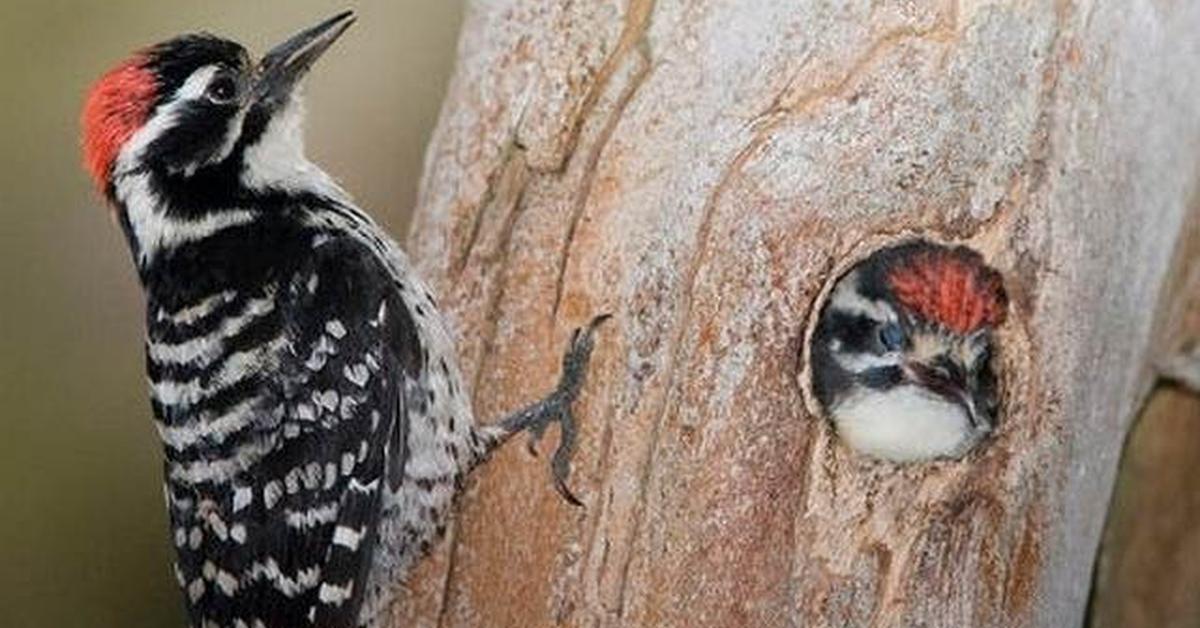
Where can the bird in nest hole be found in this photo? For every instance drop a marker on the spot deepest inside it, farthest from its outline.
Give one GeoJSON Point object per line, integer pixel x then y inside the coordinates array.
{"type": "Point", "coordinates": [902, 356]}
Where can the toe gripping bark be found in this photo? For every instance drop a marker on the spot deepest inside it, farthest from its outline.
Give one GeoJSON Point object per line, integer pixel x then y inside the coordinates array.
{"type": "Point", "coordinates": [557, 407]}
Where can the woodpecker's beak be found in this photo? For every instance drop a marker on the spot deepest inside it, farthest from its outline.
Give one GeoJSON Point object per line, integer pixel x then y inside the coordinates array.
{"type": "Point", "coordinates": [282, 68]}
{"type": "Point", "coordinates": [953, 388]}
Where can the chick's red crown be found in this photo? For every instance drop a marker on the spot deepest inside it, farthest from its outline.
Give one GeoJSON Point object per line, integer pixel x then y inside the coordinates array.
{"type": "Point", "coordinates": [950, 287]}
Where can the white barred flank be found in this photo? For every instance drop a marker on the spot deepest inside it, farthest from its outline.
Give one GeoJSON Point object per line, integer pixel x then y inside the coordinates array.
{"type": "Point", "coordinates": [233, 370]}
{"type": "Point", "coordinates": [203, 350]}
{"type": "Point", "coordinates": [198, 311]}
{"type": "Point", "coordinates": [185, 435]}
{"type": "Point", "coordinates": [221, 469]}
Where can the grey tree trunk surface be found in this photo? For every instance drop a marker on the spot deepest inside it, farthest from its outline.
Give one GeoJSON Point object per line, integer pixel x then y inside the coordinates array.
{"type": "Point", "coordinates": [702, 171]}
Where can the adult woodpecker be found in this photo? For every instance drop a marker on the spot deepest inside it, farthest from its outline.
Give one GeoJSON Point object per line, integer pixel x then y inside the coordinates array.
{"type": "Point", "coordinates": [305, 387]}
{"type": "Point", "coordinates": [901, 357]}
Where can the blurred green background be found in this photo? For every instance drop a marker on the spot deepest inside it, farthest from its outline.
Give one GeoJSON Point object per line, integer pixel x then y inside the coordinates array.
{"type": "Point", "coordinates": [83, 536]}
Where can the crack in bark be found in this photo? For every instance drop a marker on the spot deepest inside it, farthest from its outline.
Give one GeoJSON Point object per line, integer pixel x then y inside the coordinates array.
{"type": "Point", "coordinates": [703, 235]}
{"type": "Point", "coordinates": [633, 35]}
{"type": "Point", "coordinates": [520, 172]}
{"type": "Point", "coordinates": [519, 169]}
{"type": "Point", "coordinates": [589, 174]}
{"type": "Point", "coordinates": [944, 30]}
{"type": "Point", "coordinates": [451, 541]}
{"type": "Point", "coordinates": [511, 148]}
{"type": "Point", "coordinates": [633, 38]}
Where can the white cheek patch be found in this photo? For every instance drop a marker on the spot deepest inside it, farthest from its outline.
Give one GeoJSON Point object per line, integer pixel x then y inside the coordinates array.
{"type": "Point", "coordinates": [167, 117]}
{"type": "Point", "coordinates": [152, 227]}
{"type": "Point", "coordinates": [904, 424]}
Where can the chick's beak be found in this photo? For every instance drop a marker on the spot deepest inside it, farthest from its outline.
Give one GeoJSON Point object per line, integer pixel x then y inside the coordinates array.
{"type": "Point", "coordinates": [282, 68]}
{"type": "Point", "coordinates": [954, 388]}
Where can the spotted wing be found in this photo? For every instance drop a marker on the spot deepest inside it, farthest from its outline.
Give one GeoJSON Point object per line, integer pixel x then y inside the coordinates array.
{"type": "Point", "coordinates": [352, 347]}
{"type": "Point", "coordinates": [361, 330]}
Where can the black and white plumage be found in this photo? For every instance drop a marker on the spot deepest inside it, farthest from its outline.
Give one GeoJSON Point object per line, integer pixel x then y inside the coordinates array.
{"type": "Point", "coordinates": [901, 358]}
{"type": "Point", "coordinates": [304, 385]}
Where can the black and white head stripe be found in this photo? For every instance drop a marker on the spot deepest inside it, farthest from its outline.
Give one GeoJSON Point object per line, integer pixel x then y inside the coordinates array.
{"type": "Point", "coordinates": [196, 118]}
{"type": "Point", "coordinates": [209, 156]}
{"type": "Point", "coordinates": [863, 331]}
{"type": "Point", "coordinates": [174, 61]}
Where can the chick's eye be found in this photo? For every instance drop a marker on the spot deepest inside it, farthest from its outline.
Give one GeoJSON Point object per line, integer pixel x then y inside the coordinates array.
{"type": "Point", "coordinates": [223, 89]}
{"type": "Point", "coordinates": [891, 337]}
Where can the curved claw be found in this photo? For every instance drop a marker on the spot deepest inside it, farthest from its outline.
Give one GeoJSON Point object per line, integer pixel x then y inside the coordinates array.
{"type": "Point", "coordinates": [560, 464]}
{"type": "Point", "coordinates": [561, 485]}
{"type": "Point", "coordinates": [598, 320]}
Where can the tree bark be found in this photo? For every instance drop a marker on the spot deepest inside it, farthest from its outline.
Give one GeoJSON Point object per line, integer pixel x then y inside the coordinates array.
{"type": "Point", "coordinates": [703, 171]}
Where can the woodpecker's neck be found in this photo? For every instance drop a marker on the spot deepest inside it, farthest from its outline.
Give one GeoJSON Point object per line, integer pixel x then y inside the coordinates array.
{"type": "Point", "coordinates": [164, 208]}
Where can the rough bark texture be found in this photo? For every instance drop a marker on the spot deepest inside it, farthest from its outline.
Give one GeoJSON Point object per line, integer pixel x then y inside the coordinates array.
{"type": "Point", "coordinates": [702, 170]}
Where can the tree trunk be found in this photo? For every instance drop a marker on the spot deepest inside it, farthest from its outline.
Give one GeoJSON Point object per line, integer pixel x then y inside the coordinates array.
{"type": "Point", "coordinates": [703, 170]}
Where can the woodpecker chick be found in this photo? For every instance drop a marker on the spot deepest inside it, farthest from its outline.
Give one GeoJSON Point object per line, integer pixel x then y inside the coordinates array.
{"type": "Point", "coordinates": [901, 356]}
{"type": "Point", "coordinates": [305, 387]}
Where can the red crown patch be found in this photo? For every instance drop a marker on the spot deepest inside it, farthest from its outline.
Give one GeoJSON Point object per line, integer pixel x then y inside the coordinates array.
{"type": "Point", "coordinates": [950, 287]}
{"type": "Point", "coordinates": [116, 107]}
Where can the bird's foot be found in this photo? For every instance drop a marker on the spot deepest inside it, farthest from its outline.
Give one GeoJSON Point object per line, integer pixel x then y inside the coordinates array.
{"type": "Point", "coordinates": [557, 407]}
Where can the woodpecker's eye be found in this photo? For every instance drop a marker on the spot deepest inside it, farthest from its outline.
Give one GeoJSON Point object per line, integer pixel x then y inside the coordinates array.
{"type": "Point", "coordinates": [222, 90]}
{"type": "Point", "coordinates": [891, 337]}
